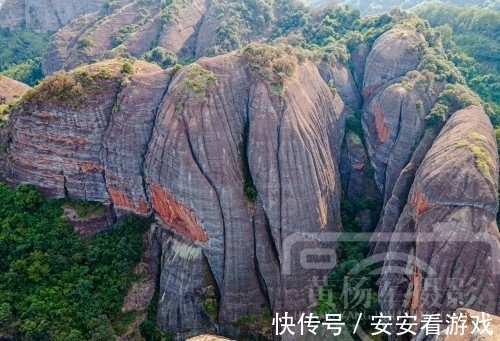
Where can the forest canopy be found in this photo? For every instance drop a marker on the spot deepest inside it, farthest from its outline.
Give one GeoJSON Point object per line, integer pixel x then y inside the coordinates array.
{"type": "Point", "coordinates": [55, 285]}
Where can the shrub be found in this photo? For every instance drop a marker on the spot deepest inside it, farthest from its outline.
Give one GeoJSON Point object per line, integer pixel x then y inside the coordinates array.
{"type": "Point", "coordinates": [161, 56]}
{"type": "Point", "coordinates": [128, 68]}
{"type": "Point", "coordinates": [275, 63]}
{"type": "Point", "coordinates": [198, 79]}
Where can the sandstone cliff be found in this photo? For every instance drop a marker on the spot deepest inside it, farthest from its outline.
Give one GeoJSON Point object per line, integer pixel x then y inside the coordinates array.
{"type": "Point", "coordinates": [444, 249]}
{"type": "Point", "coordinates": [188, 146]}
{"type": "Point", "coordinates": [187, 29]}
{"type": "Point", "coordinates": [242, 167]}
{"type": "Point", "coordinates": [44, 15]}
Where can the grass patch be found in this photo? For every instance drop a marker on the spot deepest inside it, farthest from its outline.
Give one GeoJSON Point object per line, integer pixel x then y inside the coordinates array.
{"type": "Point", "coordinates": [259, 322]}
{"type": "Point", "coordinates": [477, 136]}
{"type": "Point", "coordinates": [123, 321]}
{"type": "Point", "coordinates": [483, 161]}
{"type": "Point", "coordinates": [85, 209]}
{"type": "Point", "coordinates": [71, 89]}
{"type": "Point", "coordinates": [462, 143]}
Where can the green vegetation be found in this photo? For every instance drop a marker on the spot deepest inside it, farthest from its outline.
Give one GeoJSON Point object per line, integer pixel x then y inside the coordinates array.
{"type": "Point", "coordinates": [128, 67]}
{"type": "Point", "coordinates": [275, 63]}
{"type": "Point", "coordinates": [257, 322]}
{"type": "Point", "coordinates": [161, 56]}
{"type": "Point", "coordinates": [170, 9]}
{"type": "Point", "coordinates": [20, 56]}
{"type": "Point", "coordinates": [483, 161]}
{"type": "Point", "coordinates": [454, 97]}
{"type": "Point", "coordinates": [338, 294]}
{"type": "Point", "coordinates": [469, 36]}
{"type": "Point", "coordinates": [239, 20]}
{"type": "Point", "coordinates": [353, 122]}
{"type": "Point", "coordinates": [54, 285]}
{"type": "Point", "coordinates": [198, 79]}
{"type": "Point", "coordinates": [85, 209]}
{"type": "Point", "coordinates": [69, 89]}
{"type": "Point", "coordinates": [124, 33]}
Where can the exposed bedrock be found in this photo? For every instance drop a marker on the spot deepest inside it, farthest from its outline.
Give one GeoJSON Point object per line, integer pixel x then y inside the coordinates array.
{"type": "Point", "coordinates": [129, 28]}
{"type": "Point", "coordinates": [44, 15]}
{"type": "Point", "coordinates": [444, 252]}
{"type": "Point", "coordinates": [239, 178]}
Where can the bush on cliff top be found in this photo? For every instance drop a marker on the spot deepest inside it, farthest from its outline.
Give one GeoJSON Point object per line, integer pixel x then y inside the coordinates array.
{"type": "Point", "coordinates": [275, 63]}
{"type": "Point", "coordinates": [70, 89]}
{"type": "Point", "coordinates": [198, 79]}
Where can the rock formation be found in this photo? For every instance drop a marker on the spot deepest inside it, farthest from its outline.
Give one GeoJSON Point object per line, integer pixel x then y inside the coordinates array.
{"type": "Point", "coordinates": [187, 146]}
{"type": "Point", "coordinates": [444, 249]}
{"type": "Point", "coordinates": [241, 166]}
{"type": "Point", "coordinates": [44, 15]}
{"type": "Point", "coordinates": [11, 90]}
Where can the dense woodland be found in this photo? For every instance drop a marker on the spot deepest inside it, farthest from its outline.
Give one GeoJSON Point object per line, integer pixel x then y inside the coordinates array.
{"type": "Point", "coordinates": [56, 286]}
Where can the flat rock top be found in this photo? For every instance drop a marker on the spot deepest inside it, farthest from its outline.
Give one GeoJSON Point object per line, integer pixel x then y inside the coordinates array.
{"type": "Point", "coordinates": [11, 89]}
{"type": "Point", "coordinates": [207, 338]}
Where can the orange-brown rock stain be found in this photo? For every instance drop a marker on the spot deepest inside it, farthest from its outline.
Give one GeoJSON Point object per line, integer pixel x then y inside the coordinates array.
{"type": "Point", "coordinates": [67, 139]}
{"type": "Point", "coordinates": [380, 125]}
{"type": "Point", "coordinates": [420, 202]}
{"type": "Point", "coordinates": [415, 307]}
{"type": "Point", "coordinates": [368, 91]}
{"type": "Point", "coordinates": [90, 166]}
{"type": "Point", "coordinates": [45, 114]}
{"type": "Point", "coordinates": [174, 214]}
{"type": "Point", "coordinates": [120, 199]}
{"type": "Point", "coordinates": [358, 165]}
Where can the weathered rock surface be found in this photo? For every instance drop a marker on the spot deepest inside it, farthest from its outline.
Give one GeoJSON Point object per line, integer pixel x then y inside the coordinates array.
{"type": "Point", "coordinates": [11, 90]}
{"type": "Point", "coordinates": [45, 15]}
{"type": "Point", "coordinates": [184, 147]}
{"type": "Point", "coordinates": [240, 179]}
{"type": "Point", "coordinates": [393, 121]}
{"type": "Point", "coordinates": [340, 77]}
{"type": "Point", "coordinates": [444, 252]}
{"type": "Point", "coordinates": [129, 28]}
{"type": "Point", "coordinates": [391, 56]}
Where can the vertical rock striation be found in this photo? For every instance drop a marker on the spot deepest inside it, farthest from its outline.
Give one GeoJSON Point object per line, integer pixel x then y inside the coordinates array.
{"type": "Point", "coordinates": [444, 252]}
{"type": "Point", "coordinates": [238, 177]}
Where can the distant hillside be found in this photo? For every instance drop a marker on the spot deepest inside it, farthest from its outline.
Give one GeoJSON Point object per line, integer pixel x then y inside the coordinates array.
{"type": "Point", "coordinates": [470, 36]}
{"type": "Point", "coordinates": [380, 6]}
{"type": "Point", "coordinates": [44, 15]}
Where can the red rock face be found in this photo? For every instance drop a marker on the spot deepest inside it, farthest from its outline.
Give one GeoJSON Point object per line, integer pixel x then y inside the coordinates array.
{"type": "Point", "coordinates": [451, 213]}
{"type": "Point", "coordinates": [175, 215]}
{"type": "Point", "coordinates": [420, 203]}
{"type": "Point", "coordinates": [155, 145]}
{"type": "Point", "coordinates": [380, 125]}
{"type": "Point", "coordinates": [119, 199]}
